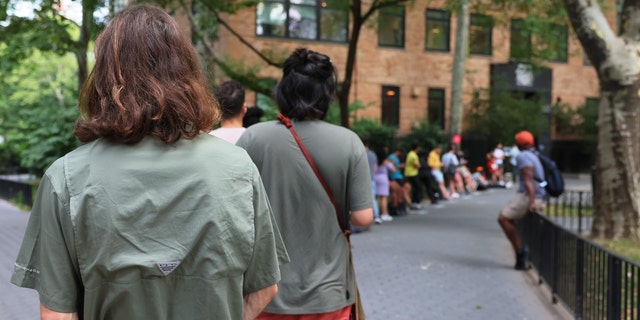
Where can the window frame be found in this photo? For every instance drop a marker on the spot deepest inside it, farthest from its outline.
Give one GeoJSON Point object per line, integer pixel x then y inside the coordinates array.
{"type": "Point", "coordinates": [318, 9]}
{"type": "Point", "coordinates": [437, 100]}
{"type": "Point", "coordinates": [387, 116]}
{"type": "Point", "coordinates": [485, 26]}
{"type": "Point", "coordinates": [519, 26]}
{"type": "Point", "coordinates": [401, 16]}
{"type": "Point", "coordinates": [445, 21]}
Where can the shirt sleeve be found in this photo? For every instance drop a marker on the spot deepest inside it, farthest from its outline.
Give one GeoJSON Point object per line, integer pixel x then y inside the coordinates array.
{"type": "Point", "coordinates": [359, 183]}
{"type": "Point", "coordinates": [269, 251]}
{"type": "Point", "coordinates": [47, 260]}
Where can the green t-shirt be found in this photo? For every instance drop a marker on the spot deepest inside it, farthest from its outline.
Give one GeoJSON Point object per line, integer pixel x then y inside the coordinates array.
{"type": "Point", "coordinates": [150, 231]}
{"type": "Point", "coordinates": [318, 278]}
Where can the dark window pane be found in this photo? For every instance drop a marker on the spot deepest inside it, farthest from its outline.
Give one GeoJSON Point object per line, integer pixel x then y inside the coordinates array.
{"type": "Point", "coordinates": [270, 19]}
{"type": "Point", "coordinates": [303, 19]}
{"type": "Point", "coordinates": [558, 49]}
{"type": "Point", "coordinates": [303, 22]}
{"type": "Point", "coordinates": [480, 28]}
{"type": "Point", "coordinates": [391, 106]}
{"type": "Point", "coordinates": [520, 40]}
{"type": "Point", "coordinates": [391, 27]}
{"type": "Point", "coordinates": [435, 108]}
{"type": "Point", "coordinates": [333, 25]}
{"type": "Point", "coordinates": [437, 30]}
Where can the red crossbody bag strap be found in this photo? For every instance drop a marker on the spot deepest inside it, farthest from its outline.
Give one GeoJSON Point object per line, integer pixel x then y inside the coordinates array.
{"type": "Point", "coordinates": [345, 227]}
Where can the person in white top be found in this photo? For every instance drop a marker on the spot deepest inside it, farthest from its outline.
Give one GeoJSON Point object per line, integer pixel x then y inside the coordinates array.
{"type": "Point", "coordinates": [498, 158]}
{"type": "Point", "coordinates": [230, 96]}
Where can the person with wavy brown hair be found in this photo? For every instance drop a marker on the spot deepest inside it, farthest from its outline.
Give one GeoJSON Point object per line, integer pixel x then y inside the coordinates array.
{"type": "Point", "coordinates": [318, 283]}
{"type": "Point", "coordinates": [152, 218]}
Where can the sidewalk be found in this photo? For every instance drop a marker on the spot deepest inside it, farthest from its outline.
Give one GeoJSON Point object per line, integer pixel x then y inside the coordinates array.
{"type": "Point", "coordinates": [452, 263]}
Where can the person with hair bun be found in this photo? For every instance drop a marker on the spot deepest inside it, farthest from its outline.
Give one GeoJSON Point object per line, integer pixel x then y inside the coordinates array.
{"type": "Point", "coordinates": [152, 218]}
{"type": "Point", "coordinates": [318, 282]}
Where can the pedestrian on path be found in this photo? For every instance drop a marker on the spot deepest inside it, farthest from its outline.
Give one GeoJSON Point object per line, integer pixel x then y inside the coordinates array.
{"type": "Point", "coordinates": [151, 218]}
{"type": "Point", "coordinates": [529, 195]}
{"type": "Point", "coordinates": [411, 169]}
{"type": "Point", "coordinates": [230, 96]}
{"type": "Point", "coordinates": [318, 283]}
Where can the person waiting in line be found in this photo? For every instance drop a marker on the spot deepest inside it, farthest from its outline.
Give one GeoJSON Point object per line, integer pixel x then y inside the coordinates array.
{"type": "Point", "coordinates": [252, 116]}
{"type": "Point", "coordinates": [429, 183]}
{"type": "Point", "coordinates": [433, 160]}
{"type": "Point", "coordinates": [450, 165]}
{"type": "Point", "coordinates": [318, 283]}
{"type": "Point", "coordinates": [411, 170]}
{"type": "Point", "coordinates": [381, 176]}
{"type": "Point", "coordinates": [151, 218]}
{"type": "Point", "coordinates": [400, 190]}
{"type": "Point", "coordinates": [230, 96]}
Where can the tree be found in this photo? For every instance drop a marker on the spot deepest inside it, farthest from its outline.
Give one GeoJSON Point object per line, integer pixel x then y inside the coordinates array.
{"type": "Point", "coordinates": [204, 29]}
{"type": "Point", "coordinates": [617, 61]}
{"type": "Point", "coordinates": [359, 16]}
{"type": "Point", "coordinates": [459, 59]}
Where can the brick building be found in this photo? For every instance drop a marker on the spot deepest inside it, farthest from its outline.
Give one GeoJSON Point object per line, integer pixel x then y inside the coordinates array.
{"type": "Point", "coordinates": [404, 63]}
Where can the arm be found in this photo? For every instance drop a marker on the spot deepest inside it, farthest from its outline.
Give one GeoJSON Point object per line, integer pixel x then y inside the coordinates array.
{"type": "Point", "coordinates": [255, 302]}
{"type": "Point", "coordinates": [529, 186]}
{"type": "Point", "coordinates": [362, 218]}
{"type": "Point", "coordinates": [48, 314]}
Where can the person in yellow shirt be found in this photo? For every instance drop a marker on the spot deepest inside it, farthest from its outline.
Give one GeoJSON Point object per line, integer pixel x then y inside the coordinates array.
{"type": "Point", "coordinates": [433, 160]}
{"type": "Point", "coordinates": [411, 168]}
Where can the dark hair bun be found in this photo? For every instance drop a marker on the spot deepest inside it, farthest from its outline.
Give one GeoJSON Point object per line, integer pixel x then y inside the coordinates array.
{"type": "Point", "coordinates": [309, 63]}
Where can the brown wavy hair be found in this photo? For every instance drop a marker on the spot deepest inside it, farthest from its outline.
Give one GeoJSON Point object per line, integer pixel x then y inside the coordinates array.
{"type": "Point", "coordinates": [146, 81]}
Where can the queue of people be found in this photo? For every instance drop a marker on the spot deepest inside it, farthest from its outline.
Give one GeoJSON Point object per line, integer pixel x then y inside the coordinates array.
{"type": "Point", "coordinates": [155, 218]}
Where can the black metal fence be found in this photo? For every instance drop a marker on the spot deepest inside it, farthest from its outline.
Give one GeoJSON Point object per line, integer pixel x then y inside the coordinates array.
{"type": "Point", "coordinates": [16, 191]}
{"type": "Point", "coordinates": [592, 282]}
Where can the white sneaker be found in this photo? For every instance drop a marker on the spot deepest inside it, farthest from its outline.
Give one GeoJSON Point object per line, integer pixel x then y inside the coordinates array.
{"type": "Point", "coordinates": [455, 195]}
{"type": "Point", "coordinates": [377, 220]}
{"type": "Point", "coordinates": [415, 206]}
{"type": "Point", "coordinates": [386, 217]}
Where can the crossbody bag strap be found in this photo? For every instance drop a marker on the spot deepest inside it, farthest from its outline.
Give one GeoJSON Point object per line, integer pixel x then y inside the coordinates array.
{"type": "Point", "coordinates": [343, 225]}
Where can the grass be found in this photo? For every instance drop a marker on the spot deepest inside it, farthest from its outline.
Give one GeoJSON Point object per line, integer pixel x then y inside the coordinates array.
{"type": "Point", "coordinates": [557, 210]}
{"type": "Point", "coordinates": [625, 247]}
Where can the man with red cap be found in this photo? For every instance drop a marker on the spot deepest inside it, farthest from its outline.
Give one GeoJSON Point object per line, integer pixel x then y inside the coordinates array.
{"type": "Point", "coordinates": [529, 196]}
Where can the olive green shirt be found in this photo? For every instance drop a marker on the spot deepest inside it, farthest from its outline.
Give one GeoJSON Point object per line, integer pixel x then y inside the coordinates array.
{"type": "Point", "coordinates": [319, 277]}
{"type": "Point", "coordinates": [150, 231]}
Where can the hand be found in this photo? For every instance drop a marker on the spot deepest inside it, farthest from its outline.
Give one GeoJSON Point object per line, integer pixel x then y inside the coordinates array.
{"type": "Point", "coordinates": [533, 207]}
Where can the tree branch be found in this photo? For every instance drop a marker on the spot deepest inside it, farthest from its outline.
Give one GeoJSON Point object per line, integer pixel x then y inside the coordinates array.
{"type": "Point", "coordinates": [593, 30]}
{"type": "Point", "coordinates": [244, 41]}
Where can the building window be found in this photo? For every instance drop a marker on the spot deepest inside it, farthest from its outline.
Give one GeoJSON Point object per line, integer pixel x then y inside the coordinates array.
{"type": "Point", "coordinates": [435, 108]}
{"type": "Point", "coordinates": [391, 106]}
{"type": "Point", "coordinates": [480, 27]}
{"type": "Point", "coordinates": [592, 103]}
{"type": "Point", "coordinates": [437, 30]}
{"type": "Point", "coordinates": [558, 49]}
{"type": "Point", "coordinates": [520, 41]}
{"type": "Point", "coordinates": [303, 19]}
{"type": "Point", "coordinates": [391, 27]}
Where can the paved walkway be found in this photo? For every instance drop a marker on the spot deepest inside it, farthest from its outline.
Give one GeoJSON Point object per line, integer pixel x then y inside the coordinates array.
{"type": "Point", "coordinates": [452, 263]}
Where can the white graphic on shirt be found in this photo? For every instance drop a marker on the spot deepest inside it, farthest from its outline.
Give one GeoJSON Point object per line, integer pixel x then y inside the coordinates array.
{"type": "Point", "coordinates": [167, 267]}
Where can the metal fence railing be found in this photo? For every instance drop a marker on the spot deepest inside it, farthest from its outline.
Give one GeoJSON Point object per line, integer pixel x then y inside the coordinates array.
{"type": "Point", "coordinates": [16, 191]}
{"type": "Point", "coordinates": [591, 281]}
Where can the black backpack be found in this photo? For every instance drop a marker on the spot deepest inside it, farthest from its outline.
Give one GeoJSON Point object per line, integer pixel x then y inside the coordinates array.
{"type": "Point", "coordinates": [553, 182]}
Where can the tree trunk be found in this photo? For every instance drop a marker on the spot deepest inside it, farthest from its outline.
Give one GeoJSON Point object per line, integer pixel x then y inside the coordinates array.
{"type": "Point", "coordinates": [88, 7]}
{"type": "Point", "coordinates": [618, 153]}
{"type": "Point", "coordinates": [459, 62]}
{"type": "Point", "coordinates": [343, 93]}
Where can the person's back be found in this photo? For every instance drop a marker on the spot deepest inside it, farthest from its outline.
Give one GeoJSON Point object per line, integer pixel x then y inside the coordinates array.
{"type": "Point", "coordinates": [144, 229]}
{"type": "Point", "coordinates": [151, 218]}
{"type": "Point", "coordinates": [230, 95]}
{"type": "Point", "coordinates": [319, 279]}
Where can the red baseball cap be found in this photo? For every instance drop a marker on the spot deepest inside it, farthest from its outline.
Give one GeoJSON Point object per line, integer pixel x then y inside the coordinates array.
{"type": "Point", "coordinates": [524, 138]}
